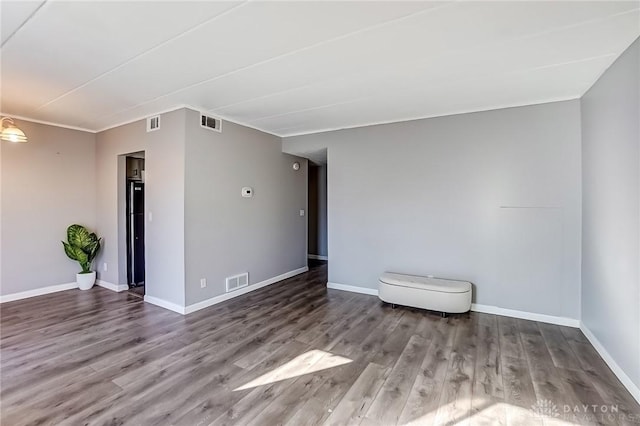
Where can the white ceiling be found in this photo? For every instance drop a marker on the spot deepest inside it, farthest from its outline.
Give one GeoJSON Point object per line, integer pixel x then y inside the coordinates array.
{"type": "Point", "coordinates": [301, 67]}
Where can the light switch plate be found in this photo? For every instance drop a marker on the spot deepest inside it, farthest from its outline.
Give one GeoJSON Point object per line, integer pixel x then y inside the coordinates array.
{"type": "Point", "coordinates": [301, 212]}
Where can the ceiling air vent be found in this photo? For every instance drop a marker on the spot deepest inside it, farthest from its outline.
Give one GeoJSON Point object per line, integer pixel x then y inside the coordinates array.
{"type": "Point", "coordinates": [211, 123]}
{"type": "Point", "coordinates": [153, 123]}
{"type": "Point", "coordinates": [237, 281]}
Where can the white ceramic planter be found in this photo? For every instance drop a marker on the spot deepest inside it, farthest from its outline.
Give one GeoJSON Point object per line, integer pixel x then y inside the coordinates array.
{"type": "Point", "coordinates": [86, 281]}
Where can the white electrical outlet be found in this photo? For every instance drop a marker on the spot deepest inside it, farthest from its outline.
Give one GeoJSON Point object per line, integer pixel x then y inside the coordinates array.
{"type": "Point", "coordinates": [203, 282]}
{"type": "Point", "coordinates": [104, 266]}
{"type": "Point", "coordinates": [301, 212]}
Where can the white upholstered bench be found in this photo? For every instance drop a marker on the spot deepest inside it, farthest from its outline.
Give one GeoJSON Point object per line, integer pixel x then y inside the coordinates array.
{"type": "Point", "coordinates": [435, 294]}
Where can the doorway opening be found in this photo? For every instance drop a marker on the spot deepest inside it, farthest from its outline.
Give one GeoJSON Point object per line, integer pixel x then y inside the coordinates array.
{"type": "Point", "coordinates": [135, 222]}
{"type": "Point", "coordinates": [317, 249]}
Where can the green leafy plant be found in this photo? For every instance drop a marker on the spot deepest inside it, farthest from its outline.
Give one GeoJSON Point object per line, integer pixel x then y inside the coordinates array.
{"type": "Point", "coordinates": [81, 246]}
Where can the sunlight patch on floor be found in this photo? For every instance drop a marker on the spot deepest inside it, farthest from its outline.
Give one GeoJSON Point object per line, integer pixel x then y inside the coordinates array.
{"type": "Point", "coordinates": [492, 413]}
{"type": "Point", "coordinates": [308, 362]}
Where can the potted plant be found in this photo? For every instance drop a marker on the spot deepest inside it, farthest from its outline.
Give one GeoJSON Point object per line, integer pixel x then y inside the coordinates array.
{"type": "Point", "coordinates": [82, 247]}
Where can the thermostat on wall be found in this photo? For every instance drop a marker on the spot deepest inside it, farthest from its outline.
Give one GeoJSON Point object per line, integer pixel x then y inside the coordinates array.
{"type": "Point", "coordinates": [247, 192]}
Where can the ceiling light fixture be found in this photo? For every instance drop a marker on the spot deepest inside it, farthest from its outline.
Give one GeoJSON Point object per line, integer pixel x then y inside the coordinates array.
{"type": "Point", "coordinates": [11, 133]}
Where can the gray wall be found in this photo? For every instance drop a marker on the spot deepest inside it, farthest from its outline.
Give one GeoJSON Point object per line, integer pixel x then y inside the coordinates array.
{"type": "Point", "coordinates": [226, 234]}
{"type": "Point", "coordinates": [46, 185]}
{"type": "Point", "coordinates": [611, 211]}
{"type": "Point", "coordinates": [491, 197]}
{"type": "Point", "coordinates": [164, 199]}
{"type": "Point", "coordinates": [317, 220]}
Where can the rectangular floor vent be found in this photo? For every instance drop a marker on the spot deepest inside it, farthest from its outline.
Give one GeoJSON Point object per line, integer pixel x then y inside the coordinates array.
{"type": "Point", "coordinates": [237, 281]}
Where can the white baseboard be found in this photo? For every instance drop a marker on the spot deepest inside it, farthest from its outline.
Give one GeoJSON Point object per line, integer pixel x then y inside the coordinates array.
{"type": "Point", "coordinates": [111, 286]}
{"type": "Point", "coordinates": [164, 304]}
{"type": "Point", "coordinates": [551, 319]}
{"type": "Point", "coordinates": [613, 365]}
{"type": "Point", "coordinates": [487, 309]}
{"type": "Point", "coordinates": [226, 296]}
{"type": "Point", "coordinates": [353, 288]}
{"type": "Point", "coordinates": [37, 292]}
{"type": "Point", "coordinates": [317, 257]}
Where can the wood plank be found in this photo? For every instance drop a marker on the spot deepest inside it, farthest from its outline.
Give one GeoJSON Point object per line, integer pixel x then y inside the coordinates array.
{"type": "Point", "coordinates": [75, 397]}
{"type": "Point", "coordinates": [455, 401]}
{"type": "Point", "coordinates": [573, 334]}
{"type": "Point", "coordinates": [488, 368]}
{"type": "Point", "coordinates": [586, 411]}
{"type": "Point", "coordinates": [487, 403]}
{"type": "Point", "coordinates": [290, 400]}
{"type": "Point", "coordinates": [332, 321]}
{"type": "Point", "coordinates": [519, 392]}
{"type": "Point", "coordinates": [331, 335]}
{"type": "Point", "coordinates": [551, 393]}
{"type": "Point", "coordinates": [390, 400]}
{"type": "Point", "coordinates": [371, 346]}
{"type": "Point", "coordinates": [528, 327]}
{"type": "Point", "coordinates": [353, 406]}
{"type": "Point", "coordinates": [558, 346]}
{"type": "Point", "coordinates": [319, 405]}
{"type": "Point", "coordinates": [488, 411]}
{"type": "Point", "coordinates": [510, 344]}
{"type": "Point", "coordinates": [395, 343]}
{"type": "Point", "coordinates": [424, 397]}
{"type": "Point", "coordinates": [351, 341]}
{"type": "Point", "coordinates": [598, 375]}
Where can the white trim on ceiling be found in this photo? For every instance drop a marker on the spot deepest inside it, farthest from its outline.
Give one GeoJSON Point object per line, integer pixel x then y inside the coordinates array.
{"type": "Point", "coordinates": [193, 108]}
{"type": "Point", "coordinates": [48, 123]}
{"type": "Point", "coordinates": [283, 55]}
{"type": "Point", "coordinates": [234, 121]}
{"type": "Point", "coordinates": [404, 120]}
{"type": "Point", "coordinates": [141, 118]}
{"type": "Point", "coordinates": [458, 80]}
{"type": "Point", "coordinates": [273, 133]}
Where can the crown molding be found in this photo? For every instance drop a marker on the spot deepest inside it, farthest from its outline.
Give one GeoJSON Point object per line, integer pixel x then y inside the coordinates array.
{"type": "Point", "coordinates": [424, 117]}
{"type": "Point", "coordinates": [48, 123]}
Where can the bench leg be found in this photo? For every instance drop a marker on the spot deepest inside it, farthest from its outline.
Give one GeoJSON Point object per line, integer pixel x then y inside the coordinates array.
{"type": "Point", "coordinates": [393, 306]}
{"type": "Point", "coordinates": [444, 314]}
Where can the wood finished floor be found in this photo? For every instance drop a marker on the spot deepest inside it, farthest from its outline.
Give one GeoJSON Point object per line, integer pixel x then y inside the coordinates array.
{"type": "Point", "coordinates": [292, 353]}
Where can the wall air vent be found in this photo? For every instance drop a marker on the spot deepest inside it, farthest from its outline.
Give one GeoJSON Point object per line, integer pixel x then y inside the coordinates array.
{"type": "Point", "coordinates": [211, 123]}
{"type": "Point", "coordinates": [237, 281]}
{"type": "Point", "coordinates": [153, 123]}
